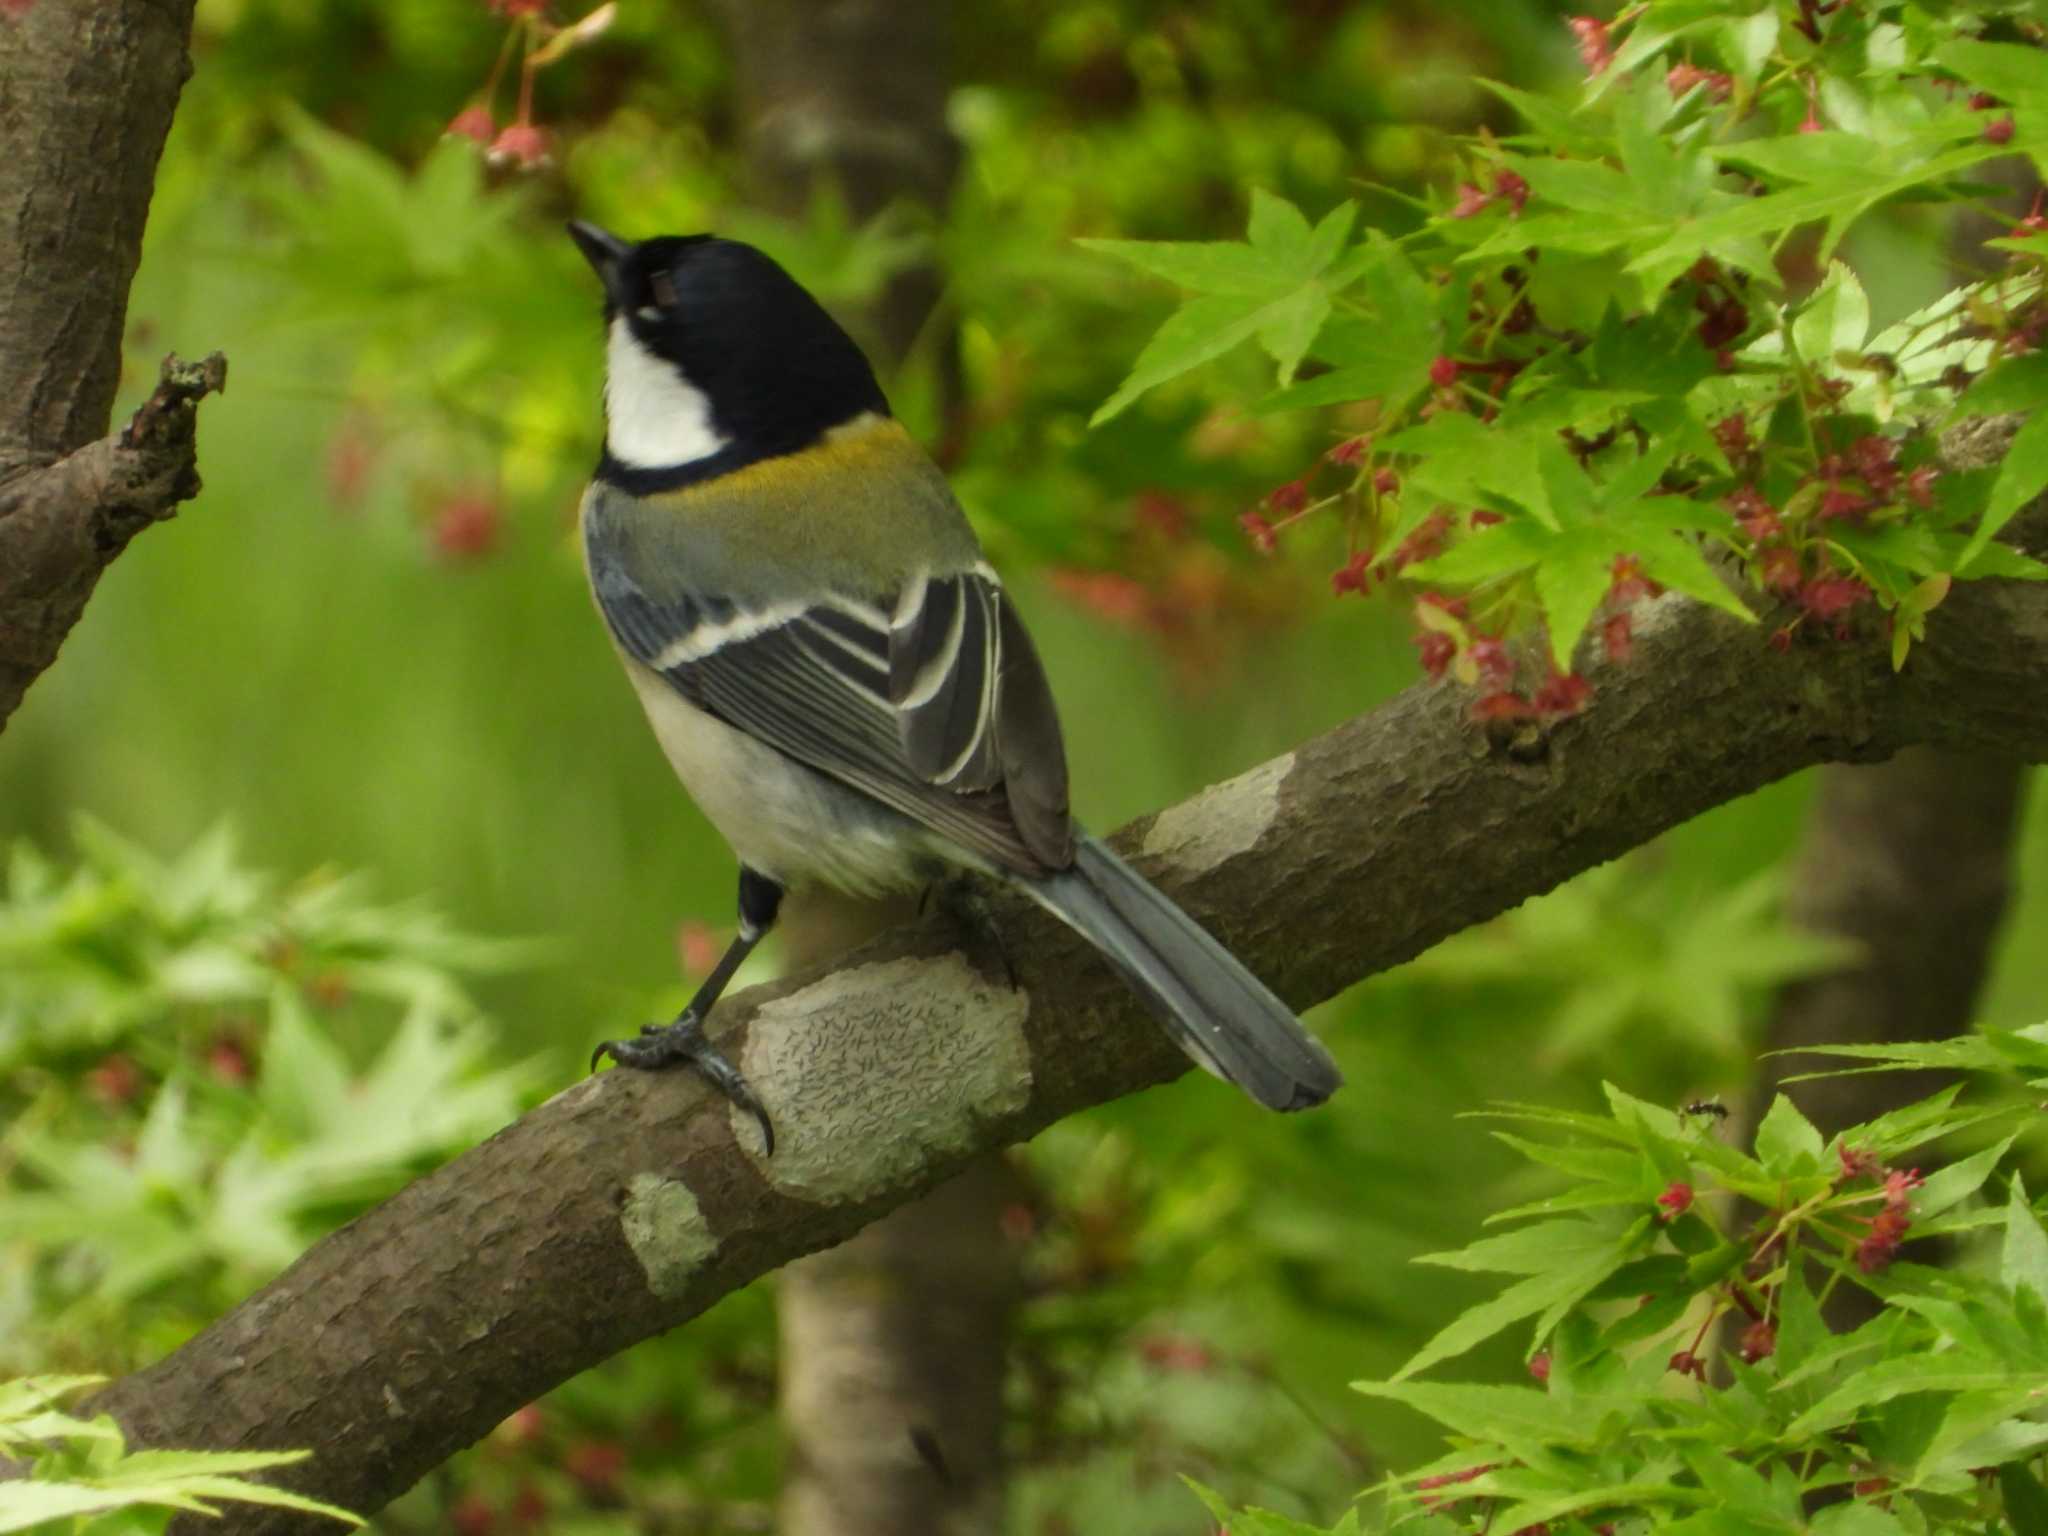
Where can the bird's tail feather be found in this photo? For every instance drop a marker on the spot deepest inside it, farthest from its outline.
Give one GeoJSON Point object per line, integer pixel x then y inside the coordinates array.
{"type": "Point", "coordinates": [1216, 1010]}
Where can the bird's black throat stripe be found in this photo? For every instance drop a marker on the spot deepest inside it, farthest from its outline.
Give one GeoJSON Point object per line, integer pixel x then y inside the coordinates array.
{"type": "Point", "coordinates": [635, 481]}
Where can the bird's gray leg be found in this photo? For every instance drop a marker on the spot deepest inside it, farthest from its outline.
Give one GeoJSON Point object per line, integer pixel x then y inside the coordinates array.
{"type": "Point", "coordinates": [682, 1042]}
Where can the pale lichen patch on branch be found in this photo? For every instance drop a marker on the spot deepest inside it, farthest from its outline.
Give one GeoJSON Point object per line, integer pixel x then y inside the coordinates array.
{"type": "Point", "coordinates": [1222, 822]}
{"type": "Point", "coordinates": [667, 1233]}
{"type": "Point", "coordinates": [917, 1057]}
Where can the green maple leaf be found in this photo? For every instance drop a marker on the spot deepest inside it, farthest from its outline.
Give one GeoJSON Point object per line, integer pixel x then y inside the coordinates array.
{"type": "Point", "coordinates": [1570, 528]}
{"type": "Point", "coordinates": [1275, 286]}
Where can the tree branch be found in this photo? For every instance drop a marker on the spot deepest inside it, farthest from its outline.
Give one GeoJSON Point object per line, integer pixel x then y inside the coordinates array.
{"type": "Point", "coordinates": [628, 1203]}
{"type": "Point", "coordinates": [87, 88]}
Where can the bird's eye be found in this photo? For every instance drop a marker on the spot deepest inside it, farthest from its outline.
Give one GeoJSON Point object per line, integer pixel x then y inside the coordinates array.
{"type": "Point", "coordinates": [663, 287]}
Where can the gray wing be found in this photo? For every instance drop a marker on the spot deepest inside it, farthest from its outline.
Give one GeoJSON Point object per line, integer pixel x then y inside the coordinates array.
{"type": "Point", "coordinates": [931, 699]}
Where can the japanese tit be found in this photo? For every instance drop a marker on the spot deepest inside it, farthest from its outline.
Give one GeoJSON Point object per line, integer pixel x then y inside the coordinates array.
{"type": "Point", "coordinates": [832, 668]}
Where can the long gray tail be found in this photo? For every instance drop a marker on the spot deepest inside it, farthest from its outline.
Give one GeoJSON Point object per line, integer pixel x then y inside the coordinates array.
{"type": "Point", "coordinates": [1216, 1010]}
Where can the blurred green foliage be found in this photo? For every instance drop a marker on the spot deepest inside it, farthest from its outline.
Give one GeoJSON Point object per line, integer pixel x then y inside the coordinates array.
{"type": "Point", "coordinates": [79, 1477]}
{"type": "Point", "coordinates": [368, 645]}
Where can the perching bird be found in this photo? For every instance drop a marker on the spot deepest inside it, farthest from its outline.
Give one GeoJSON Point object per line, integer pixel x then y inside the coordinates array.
{"type": "Point", "coordinates": [833, 669]}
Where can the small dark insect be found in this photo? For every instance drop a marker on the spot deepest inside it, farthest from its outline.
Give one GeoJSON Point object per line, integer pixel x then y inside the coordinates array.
{"type": "Point", "coordinates": [1713, 1109]}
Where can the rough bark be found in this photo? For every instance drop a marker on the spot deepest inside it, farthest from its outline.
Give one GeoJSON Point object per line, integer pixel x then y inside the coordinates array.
{"type": "Point", "coordinates": [87, 88]}
{"type": "Point", "coordinates": [629, 1203]}
{"type": "Point", "coordinates": [894, 1343]}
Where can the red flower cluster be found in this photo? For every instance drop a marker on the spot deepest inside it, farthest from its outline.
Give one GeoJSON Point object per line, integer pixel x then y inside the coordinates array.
{"type": "Point", "coordinates": [1759, 1341]}
{"type": "Point", "coordinates": [1596, 51]}
{"type": "Point", "coordinates": [1675, 1201]}
{"type": "Point", "coordinates": [1681, 78]}
{"type": "Point", "coordinates": [1291, 497]}
{"type": "Point", "coordinates": [1686, 1363]}
{"type": "Point", "coordinates": [1829, 597]}
{"type": "Point", "coordinates": [1880, 1245]}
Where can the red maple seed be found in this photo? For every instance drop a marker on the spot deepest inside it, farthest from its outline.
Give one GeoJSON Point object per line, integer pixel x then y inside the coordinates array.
{"type": "Point", "coordinates": [1781, 640]}
{"type": "Point", "coordinates": [1898, 1185]}
{"type": "Point", "coordinates": [1999, 130]}
{"type": "Point", "coordinates": [116, 1080]}
{"type": "Point", "coordinates": [1829, 597]}
{"type": "Point", "coordinates": [475, 123]}
{"type": "Point", "coordinates": [1163, 514]}
{"type": "Point", "coordinates": [1781, 571]}
{"type": "Point", "coordinates": [1385, 482]}
{"type": "Point", "coordinates": [1617, 638]}
{"type": "Point", "coordinates": [1675, 1201]}
{"type": "Point", "coordinates": [1595, 51]}
{"type": "Point", "coordinates": [1258, 530]}
{"type": "Point", "coordinates": [1686, 1363]}
{"type": "Point", "coordinates": [1681, 78]}
{"type": "Point", "coordinates": [1630, 582]}
{"type": "Point", "coordinates": [227, 1061]}
{"type": "Point", "coordinates": [1443, 372]}
{"type": "Point", "coordinates": [1437, 651]}
{"type": "Point", "coordinates": [1109, 596]}
{"type": "Point", "coordinates": [698, 947]}
{"type": "Point", "coordinates": [1564, 693]}
{"type": "Point", "coordinates": [1291, 497]}
{"type": "Point", "coordinates": [1470, 201]}
{"type": "Point", "coordinates": [1876, 458]}
{"type": "Point", "coordinates": [1759, 1342]}
{"type": "Point", "coordinates": [1425, 543]}
{"type": "Point", "coordinates": [1724, 323]}
{"type": "Point", "coordinates": [1881, 1245]}
{"type": "Point", "coordinates": [1836, 502]}
{"type": "Point", "coordinates": [1350, 451]}
{"type": "Point", "coordinates": [1539, 1366]}
{"type": "Point", "coordinates": [1510, 187]}
{"type": "Point", "coordinates": [1355, 575]}
{"type": "Point", "coordinates": [522, 1426]}
{"type": "Point", "coordinates": [523, 145]}
{"type": "Point", "coordinates": [1858, 1162]}
{"type": "Point", "coordinates": [466, 526]}
{"type": "Point", "coordinates": [1495, 665]}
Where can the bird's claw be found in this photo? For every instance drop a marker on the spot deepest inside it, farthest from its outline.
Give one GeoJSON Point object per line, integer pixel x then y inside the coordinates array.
{"type": "Point", "coordinates": [683, 1044]}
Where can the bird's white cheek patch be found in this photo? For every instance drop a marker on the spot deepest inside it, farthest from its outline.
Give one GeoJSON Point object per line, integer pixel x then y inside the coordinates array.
{"type": "Point", "coordinates": [1222, 821]}
{"type": "Point", "coordinates": [667, 1233]}
{"type": "Point", "coordinates": [654, 419]}
{"type": "Point", "coordinates": [870, 1071]}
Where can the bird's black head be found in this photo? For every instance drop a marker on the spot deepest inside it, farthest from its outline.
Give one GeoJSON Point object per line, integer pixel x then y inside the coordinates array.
{"type": "Point", "coordinates": [716, 353]}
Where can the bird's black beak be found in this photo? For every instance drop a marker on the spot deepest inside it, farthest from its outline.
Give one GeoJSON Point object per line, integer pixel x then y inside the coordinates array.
{"type": "Point", "coordinates": [604, 251]}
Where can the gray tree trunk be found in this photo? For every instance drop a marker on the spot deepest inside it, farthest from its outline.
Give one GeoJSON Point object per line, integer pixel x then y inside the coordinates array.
{"type": "Point", "coordinates": [893, 1344]}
